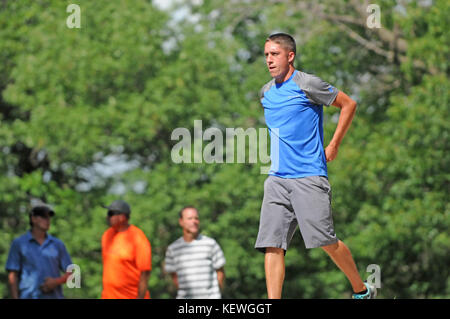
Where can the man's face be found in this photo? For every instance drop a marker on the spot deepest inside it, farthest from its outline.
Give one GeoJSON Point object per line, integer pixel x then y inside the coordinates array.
{"type": "Point", "coordinates": [278, 59]}
{"type": "Point", "coordinates": [116, 220]}
{"type": "Point", "coordinates": [190, 221]}
{"type": "Point", "coordinates": [41, 221]}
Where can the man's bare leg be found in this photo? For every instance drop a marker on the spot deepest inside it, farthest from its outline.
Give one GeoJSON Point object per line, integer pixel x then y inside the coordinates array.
{"type": "Point", "coordinates": [342, 257]}
{"type": "Point", "coordinates": [274, 266]}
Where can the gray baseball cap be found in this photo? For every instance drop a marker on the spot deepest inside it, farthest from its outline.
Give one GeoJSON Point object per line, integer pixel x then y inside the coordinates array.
{"type": "Point", "coordinates": [119, 206]}
{"type": "Point", "coordinates": [38, 207]}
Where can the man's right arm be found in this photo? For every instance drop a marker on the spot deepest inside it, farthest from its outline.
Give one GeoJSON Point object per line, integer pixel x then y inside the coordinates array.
{"type": "Point", "coordinates": [13, 283]}
{"type": "Point", "coordinates": [169, 266]}
{"type": "Point", "coordinates": [13, 267]}
{"type": "Point", "coordinates": [174, 279]}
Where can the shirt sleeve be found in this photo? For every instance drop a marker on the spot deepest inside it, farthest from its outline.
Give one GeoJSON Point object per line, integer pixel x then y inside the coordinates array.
{"type": "Point", "coordinates": [265, 88]}
{"type": "Point", "coordinates": [218, 258]}
{"type": "Point", "coordinates": [13, 263]}
{"type": "Point", "coordinates": [143, 254]}
{"type": "Point", "coordinates": [319, 91]}
{"type": "Point", "coordinates": [169, 263]}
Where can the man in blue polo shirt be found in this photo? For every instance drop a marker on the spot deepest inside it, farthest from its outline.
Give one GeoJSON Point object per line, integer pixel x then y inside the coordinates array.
{"type": "Point", "coordinates": [297, 191]}
{"type": "Point", "coordinates": [36, 260]}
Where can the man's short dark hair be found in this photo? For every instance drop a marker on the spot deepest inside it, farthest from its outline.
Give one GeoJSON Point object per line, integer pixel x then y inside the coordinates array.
{"type": "Point", "coordinates": [285, 40]}
{"type": "Point", "coordinates": [186, 207]}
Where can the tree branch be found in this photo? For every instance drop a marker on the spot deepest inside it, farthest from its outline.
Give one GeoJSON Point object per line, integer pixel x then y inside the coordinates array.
{"type": "Point", "coordinates": [370, 45]}
{"type": "Point", "coordinates": [384, 34]}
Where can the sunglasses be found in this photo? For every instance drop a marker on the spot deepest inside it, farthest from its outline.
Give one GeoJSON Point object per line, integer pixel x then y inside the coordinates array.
{"type": "Point", "coordinates": [43, 216]}
{"type": "Point", "coordinates": [42, 212]}
{"type": "Point", "coordinates": [113, 213]}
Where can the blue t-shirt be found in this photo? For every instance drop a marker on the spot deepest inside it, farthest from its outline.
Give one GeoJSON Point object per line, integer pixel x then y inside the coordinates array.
{"type": "Point", "coordinates": [35, 262]}
{"type": "Point", "coordinates": [294, 113]}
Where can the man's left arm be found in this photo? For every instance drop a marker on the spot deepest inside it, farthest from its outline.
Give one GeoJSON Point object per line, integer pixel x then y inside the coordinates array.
{"type": "Point", "coordinates": [50, 283]}
{"type": "Point", "coordinates": [143, 263]}
{"type": "Point", "coordinates": [218, 262]}
{"type": "Point", "coordinates": [221, 277]}
{"type": "Point", "coordinates": [348, 109]}
{"type": "Point", "coordinates": [143, 284]}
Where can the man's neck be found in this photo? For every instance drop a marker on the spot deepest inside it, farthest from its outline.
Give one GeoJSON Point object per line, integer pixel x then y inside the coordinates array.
{"type": "Point", "coordinates": [39, 235]}
{"type": "Point", "coordinates": [188, 237]}
{"type": "Point", "coordinates": [122, 228]}
{"type": "Point", "coordinates": [285, 77]}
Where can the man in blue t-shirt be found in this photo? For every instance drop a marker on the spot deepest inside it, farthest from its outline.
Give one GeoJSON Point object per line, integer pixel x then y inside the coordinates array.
{"type": "Point", "coordinates": [36, 260]}
{"type": "Point", "coordinates": [297, 191]}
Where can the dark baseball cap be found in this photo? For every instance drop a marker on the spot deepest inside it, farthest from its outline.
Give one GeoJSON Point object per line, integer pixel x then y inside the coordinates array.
{"type": "Point", "coordinates": [119, 206]}
{"type": "Point", "coordinates": [40, 208]}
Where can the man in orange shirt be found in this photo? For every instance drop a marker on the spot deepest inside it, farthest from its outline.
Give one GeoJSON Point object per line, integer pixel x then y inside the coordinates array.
{"type": "Point", "coordinates": [126, 254]}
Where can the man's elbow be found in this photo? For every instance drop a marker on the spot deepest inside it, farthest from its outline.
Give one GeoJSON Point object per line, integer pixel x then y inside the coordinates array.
{"type": "Point", "coordinates": [13, 277]}
{"type": "Point", "coordinates": [146, 274]}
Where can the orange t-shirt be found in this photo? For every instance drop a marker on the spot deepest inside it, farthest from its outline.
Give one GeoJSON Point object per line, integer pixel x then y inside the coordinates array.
{"type": "Point", "coordinates": [125, 255]}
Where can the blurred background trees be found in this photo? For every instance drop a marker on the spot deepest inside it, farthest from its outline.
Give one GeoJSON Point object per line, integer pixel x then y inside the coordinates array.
{"type": "Point", "coordinates": [86, 116]}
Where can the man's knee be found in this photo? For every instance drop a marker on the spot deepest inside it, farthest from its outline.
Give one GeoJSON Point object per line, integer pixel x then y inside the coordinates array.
{"type": "Point", "coordinates": [331, 248]}
{"type": "Point", "coordinates": [274, 250]}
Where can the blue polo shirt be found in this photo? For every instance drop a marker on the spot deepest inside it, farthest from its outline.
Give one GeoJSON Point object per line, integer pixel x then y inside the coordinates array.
{"type": "Point", "coordinates": [294, 116]}
{"type": "Point", "coordinates": [35, 262]}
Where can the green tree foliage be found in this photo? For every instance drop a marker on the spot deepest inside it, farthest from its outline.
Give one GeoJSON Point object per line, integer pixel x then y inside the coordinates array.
{"type": "Point", "coordinates": [86, 116]}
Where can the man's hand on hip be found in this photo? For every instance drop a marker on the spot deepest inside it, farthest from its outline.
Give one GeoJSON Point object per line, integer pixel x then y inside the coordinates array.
{"type": "Point", "coordinates": [331, 152]}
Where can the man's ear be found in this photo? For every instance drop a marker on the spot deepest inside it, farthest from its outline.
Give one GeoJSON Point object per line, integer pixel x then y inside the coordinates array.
{"type": "Point", "coordinates": [291, 57]}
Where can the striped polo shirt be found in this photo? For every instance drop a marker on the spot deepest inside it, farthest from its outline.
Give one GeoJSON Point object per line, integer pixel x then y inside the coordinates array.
{"type": "Point", "coordinates": [195, 264]}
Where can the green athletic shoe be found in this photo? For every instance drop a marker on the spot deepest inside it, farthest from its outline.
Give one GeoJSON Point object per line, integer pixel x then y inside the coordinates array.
{"type": "Point", "coordinates": [370, 294]}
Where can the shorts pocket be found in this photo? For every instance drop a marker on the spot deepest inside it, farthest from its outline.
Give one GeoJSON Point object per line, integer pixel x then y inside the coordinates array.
{"type": "Point", "coordinates": [326, 186]}
{"type": "Point", "coordinates": [322, 183]}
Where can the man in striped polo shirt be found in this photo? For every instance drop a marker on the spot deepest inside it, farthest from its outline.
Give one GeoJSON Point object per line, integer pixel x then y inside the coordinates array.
{"type": "Point", "coordinates": [195, 261]}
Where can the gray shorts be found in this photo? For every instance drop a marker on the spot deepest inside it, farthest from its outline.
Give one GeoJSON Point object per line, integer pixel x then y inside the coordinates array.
{"type": "Point", "coordinates": [296, 201]}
